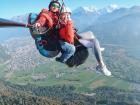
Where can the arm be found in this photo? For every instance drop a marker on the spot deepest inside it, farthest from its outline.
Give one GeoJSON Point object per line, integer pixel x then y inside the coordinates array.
{"type": "Point", "coordinates": [70, 31]}
{"type": "Point", "coordinates": [45, 19]}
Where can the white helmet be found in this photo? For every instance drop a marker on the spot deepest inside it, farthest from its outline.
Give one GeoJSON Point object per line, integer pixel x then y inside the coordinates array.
{"type": "Point", "coordinates": [66, 9]}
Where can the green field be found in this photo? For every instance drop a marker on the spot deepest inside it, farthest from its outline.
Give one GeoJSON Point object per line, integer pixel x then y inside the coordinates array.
{"type": "Point", "coordinates": [82, 79]}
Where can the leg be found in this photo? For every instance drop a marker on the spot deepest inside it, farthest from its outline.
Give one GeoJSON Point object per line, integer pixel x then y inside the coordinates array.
{"type": "Point", "coordinates": [96, 49]}
{"type": "Point", "coordinates": [68, 51]}
{"type": "Point", "coordinates": [97, 52]}
{"type": "Point", "coordinates": [94, 44]}
{"type": "Point", "coordinates": [86, 43]}
{"type": "Point", "coordinates": [101, 67]}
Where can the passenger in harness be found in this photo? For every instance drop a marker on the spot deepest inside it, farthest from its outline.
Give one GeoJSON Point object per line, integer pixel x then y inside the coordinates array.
{"type": "Point", "coordinates": [66, 35]}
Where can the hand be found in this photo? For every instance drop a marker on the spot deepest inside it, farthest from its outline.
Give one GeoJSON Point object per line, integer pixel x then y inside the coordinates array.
{"type": "Point", "coordinates": [37, 25]}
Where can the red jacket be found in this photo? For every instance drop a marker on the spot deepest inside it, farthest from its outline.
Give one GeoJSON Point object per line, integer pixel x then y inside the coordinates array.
{"type": "Point", "coordinates": [66, 32]}
{"type": "Point", "coordinates": [48, 18]}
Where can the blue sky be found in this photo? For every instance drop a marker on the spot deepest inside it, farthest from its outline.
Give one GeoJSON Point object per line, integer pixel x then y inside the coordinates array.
{"type": "Point", "coordinates": [10, 8]}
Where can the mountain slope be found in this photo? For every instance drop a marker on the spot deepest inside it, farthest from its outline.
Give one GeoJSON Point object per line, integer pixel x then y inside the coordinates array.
{"type": "Point", "coordinates": [124, 29]}
{"type": "Point", "coordinates": [3, 54]}
{"type": "Point", "coordinates": [86, 16]}
{"type": "Point", "coordinates": [82, 15]}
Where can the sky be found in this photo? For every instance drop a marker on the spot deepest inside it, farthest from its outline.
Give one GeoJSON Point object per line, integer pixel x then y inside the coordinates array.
{"type": "Point", "coordinates": [10, 8]}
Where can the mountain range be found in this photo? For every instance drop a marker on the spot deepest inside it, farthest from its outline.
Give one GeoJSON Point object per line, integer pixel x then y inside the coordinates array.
{"type": "Point", "coordinates": [86, 16]}
{"type": "Point", "coordinates": [117, 26]}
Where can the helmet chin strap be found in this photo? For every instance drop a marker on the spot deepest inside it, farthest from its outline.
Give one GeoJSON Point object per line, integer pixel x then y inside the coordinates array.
{"type": "Point", "coordinates": [62, 6]}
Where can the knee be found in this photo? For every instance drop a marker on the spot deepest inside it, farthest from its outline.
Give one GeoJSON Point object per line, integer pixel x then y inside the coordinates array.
{"type": "Point", "coordinates": [95, 41]}
{"type": "Point", "coordinates": [72, 49]}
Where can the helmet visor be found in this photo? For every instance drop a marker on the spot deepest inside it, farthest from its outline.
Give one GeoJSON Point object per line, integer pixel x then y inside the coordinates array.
{"type": "Point", "coordinates": [55, 5]}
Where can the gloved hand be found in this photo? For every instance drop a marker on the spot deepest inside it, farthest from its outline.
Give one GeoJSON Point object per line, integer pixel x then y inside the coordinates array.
{"type": "Point", "coordinates": [38, 29]}
{"type": "Point", "coordinates": [37, 25]}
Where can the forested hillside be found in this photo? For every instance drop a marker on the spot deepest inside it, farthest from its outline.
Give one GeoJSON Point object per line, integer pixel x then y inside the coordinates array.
{"type": "Point", "coordinates": [64, 95]}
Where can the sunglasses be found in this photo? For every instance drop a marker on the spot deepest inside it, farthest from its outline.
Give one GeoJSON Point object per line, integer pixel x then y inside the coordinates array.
{"type": "Point", "coordinates": [55, 5]}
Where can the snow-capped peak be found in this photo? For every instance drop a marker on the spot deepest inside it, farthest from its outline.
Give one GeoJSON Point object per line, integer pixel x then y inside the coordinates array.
{"type": "Point", "coordinates": [93, 9]}
{"type": "Point", "coordinates": [109, 9]}
{"type": "Point", "coordinates": [112, 7]}
{"type": "Point", "coordinates": [88, 9]}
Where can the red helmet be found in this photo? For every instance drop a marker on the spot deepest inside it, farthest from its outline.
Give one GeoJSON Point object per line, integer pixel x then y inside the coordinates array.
{"type": "Point", "coordinates": [53, 2]}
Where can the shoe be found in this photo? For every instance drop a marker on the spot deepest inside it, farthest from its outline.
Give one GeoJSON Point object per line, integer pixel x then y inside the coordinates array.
{"type": "Point", "coordinates": [58, 59]}
{"type": "Point", "coordinates": [102, 49]}
{"type": "Point", "coordinates": [103, 69]}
